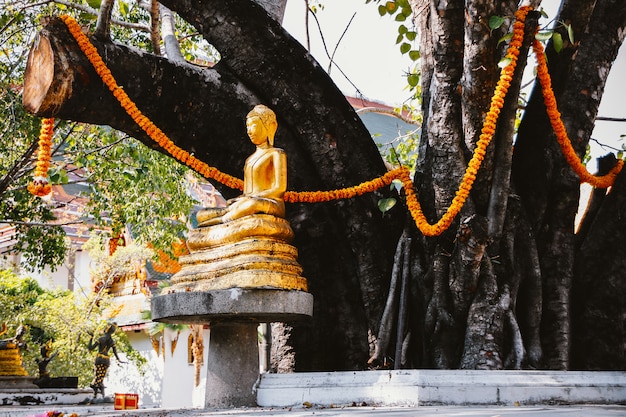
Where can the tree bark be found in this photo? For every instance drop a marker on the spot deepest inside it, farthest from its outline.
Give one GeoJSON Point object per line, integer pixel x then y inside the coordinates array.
{"type": "Point", "coordinates": [599, 288]}
{"type": "Point", "coordinates": [548, 187]}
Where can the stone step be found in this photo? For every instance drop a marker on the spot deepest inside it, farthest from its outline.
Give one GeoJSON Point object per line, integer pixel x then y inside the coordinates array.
{"type": "Point", "coordinates": [441, 387]}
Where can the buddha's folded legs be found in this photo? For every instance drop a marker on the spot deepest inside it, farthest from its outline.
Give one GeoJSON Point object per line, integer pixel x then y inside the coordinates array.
{"type": "Point", "coordinates": [210, 215]}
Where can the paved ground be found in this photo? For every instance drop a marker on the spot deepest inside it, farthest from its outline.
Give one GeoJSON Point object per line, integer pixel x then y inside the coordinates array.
{"type": "Point", "coordinates": [422, 411]}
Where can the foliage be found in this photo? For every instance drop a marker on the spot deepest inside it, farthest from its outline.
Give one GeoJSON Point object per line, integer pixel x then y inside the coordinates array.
{"type": "Point", "coordinates": [402, 150]}
{"type": "Point", "coordinates": [56, 316]}
{"type": "Point", "coordinates": [40, 244]}
{"type": "Point", "coordinates": [126, 183]}
{"type": "Point", "coordinates": [124, 262]}
{"type": "Point", "coordinates": [401, 11]}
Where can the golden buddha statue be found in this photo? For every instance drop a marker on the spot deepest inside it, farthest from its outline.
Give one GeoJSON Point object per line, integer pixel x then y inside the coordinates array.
{"type": "Point", "coordinates": [246, 243]}
{"type": "Point", "coordinates": [265, 175]}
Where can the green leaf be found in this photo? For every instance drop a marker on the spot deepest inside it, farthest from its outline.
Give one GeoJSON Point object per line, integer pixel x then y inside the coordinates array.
{"type": "Point", "coordinates": [391, 7]}
{"type": "Point", "coordinates": [504, 62]}
{"type": "Point", "coordinates": [505, 38]}
{"type": "Point", "coordinates": [414, 55]}
{"type": "Point", "coordinates": [405, 47]}
{"type": "Point", "coordinates": [382, 10]}
{"type": "Point", "coordinates": [543, 35]}
{"type": "Point", "coordinates": [386, 204]}
{"type": "Point", "coordinates": [123, 8]}
{"type": "Point", "coordinates": [94, 3]}
{"type": "Point", "coordinates": [400, 17]}
{"type": "Point", "coordinates": [399, 39]}
{"type": "Point", "coordinates": [413, 79]}
{"type": "Point", "coordinates": [411, 35]}
{"type": "Point", "coordinates": [495, 22]}
{"type": "Point", "coordinates": [402, 29]}
{"type": "Point", "coordinates": [54, 177]}
{"type": "Point", "coordinates": [557, 42]}
{"type": "Point", "coordinates": [570, 33]}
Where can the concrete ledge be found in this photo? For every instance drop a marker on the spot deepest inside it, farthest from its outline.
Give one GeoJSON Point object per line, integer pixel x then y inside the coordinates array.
{"type": "Point", "coordinates": [48, 396]}
{"type": "Point", "coordinates": [434, 387]}
{"type": "Point", "coordinates": [232, 305]}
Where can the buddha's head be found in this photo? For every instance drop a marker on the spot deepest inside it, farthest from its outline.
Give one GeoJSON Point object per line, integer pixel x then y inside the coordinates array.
{"type": "Point", "coordinates": [268, 119]}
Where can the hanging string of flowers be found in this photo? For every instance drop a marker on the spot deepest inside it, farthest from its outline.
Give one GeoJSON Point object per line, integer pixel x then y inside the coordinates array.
{"type": "Point", "coordinates": [402, 173]}
{"type": "Point", "coordinates": [560, 132]}
{"type": "Point", "coordinates": [40, 185]}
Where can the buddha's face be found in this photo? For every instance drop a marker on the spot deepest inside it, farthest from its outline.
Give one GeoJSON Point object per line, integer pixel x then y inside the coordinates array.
{"type": "Point", "coordinates": [256, 130]}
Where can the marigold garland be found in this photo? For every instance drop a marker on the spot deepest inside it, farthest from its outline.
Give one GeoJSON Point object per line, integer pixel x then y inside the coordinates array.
{"type": "Point", "coordinates": [603, 181]}
{"type": "Point", "coordinates": [40, 185]}
{"type": "Point", "coordinates": [401, 173]}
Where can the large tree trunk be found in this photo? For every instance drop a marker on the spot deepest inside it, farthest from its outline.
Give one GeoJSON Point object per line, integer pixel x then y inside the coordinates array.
{"type": "Point", "coordinates": [495, 289]}
{"type": "Point", "coordinates": [345, 247]}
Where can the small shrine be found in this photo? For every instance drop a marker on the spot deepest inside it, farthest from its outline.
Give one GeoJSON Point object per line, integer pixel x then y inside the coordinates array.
{"type": "Point", "coordinates": [241, 271]}
{"type": "Point", "coordinates": [12, 372]}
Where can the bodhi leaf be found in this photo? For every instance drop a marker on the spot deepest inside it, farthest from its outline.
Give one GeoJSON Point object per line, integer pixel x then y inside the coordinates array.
{"type": "Point", "coordinates": [386, 204]}
{"type": "Point", "coordinates": [557, 41]}
{"type": "Point", "coordinates": [495, 22]}
{"type": "Point", "coordinates": [544, 35]}
{"type": "Point", "coordinates": [396, 184]}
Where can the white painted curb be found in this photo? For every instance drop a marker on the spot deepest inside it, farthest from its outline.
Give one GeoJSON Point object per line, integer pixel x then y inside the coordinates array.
{"type": "Point", "coordinates": [435, 387]}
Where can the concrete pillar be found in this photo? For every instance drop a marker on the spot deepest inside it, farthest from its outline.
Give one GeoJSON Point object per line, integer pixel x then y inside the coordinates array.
{"type": "Point", "coordinates": [232, 365]}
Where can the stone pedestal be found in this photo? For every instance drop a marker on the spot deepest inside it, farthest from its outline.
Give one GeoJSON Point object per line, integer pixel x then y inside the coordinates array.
{"type": "Point", "coordinates": [17, 382]}
{"type": "Point", "coordinates": [234, 314]}
{"type": "Point", "coordinates": [232, 365]}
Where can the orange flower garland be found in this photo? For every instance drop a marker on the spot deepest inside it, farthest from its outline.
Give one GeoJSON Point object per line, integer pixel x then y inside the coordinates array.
{"type": "Point", "coordinates": [40, 186]}
{"type": "Point", "coordinates": [560, 132]}
{"type": "Point", "coordinates": [401, 173]}
{"type": "Point", "coordinates": [488, 130]}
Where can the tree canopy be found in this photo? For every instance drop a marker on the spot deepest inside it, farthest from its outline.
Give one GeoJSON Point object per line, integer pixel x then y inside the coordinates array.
{"type": "Point", "coordinates": [58, 318]}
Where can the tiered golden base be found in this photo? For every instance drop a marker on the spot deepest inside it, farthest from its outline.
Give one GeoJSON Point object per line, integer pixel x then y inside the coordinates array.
{"type": "Point", "coordinates": [11, 363]}
{"type": "Point", "coordinates": [250, 252]}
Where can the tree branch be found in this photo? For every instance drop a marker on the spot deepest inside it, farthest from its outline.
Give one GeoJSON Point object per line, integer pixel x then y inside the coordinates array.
{"type": "Point", "coordinates": [91, 10]}
{"type": "Point", "coordinates": [40, 224]}
{"type": "Point", "coordinates": [154, 27]}
{"type": "Point", "coordinates": [168, 30]}
{"type": "Point", "coordinates": [503, 156]}
{"type": "Point", "coordinates": [103, 25]}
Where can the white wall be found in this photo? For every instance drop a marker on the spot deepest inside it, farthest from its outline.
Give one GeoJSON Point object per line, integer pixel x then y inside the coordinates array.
{"type": "Point", "coordinates": [128, 379]}
{"type": "Point", "coordinates": [82, 275]}
{"type": "Point", "coordinates": [73, 274]}
{"type": "Point", "coordinates": [178, 375]}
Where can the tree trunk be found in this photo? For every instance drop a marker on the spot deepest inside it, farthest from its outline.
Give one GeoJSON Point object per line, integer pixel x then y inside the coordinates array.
{"type": "Point", "coordinates": [346, 246]}
{"type": "Point", "coordinates": [599, 288]}
{"type": "Point", "coordinates": [496, 287]}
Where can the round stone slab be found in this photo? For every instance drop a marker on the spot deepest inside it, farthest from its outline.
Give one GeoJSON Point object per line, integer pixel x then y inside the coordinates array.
{"type": "Point", "coordinates": [234, 305]}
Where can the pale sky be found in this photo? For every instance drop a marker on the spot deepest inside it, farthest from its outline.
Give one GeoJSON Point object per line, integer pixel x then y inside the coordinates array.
{"type": "Point", "coordinates": [369, 56]}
